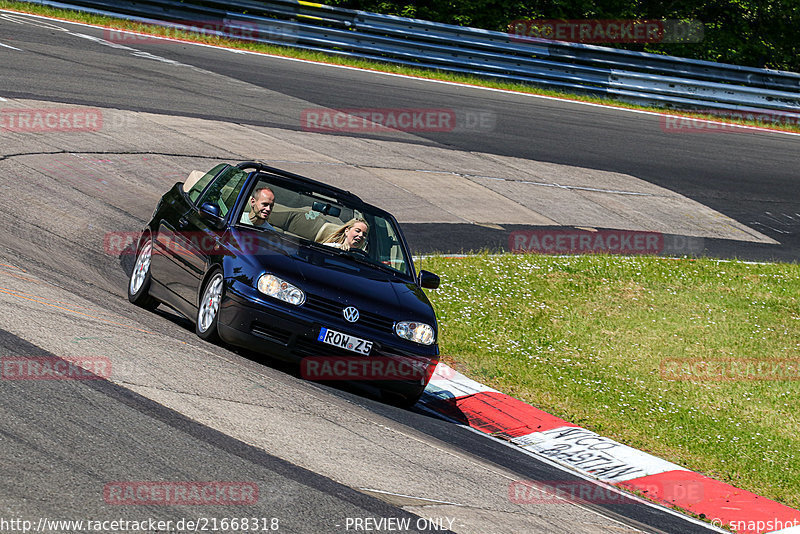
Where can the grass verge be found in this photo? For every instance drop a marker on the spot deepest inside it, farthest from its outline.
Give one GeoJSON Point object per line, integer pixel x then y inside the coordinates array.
{"type": "Point", "coordinates": [592, 339]}
{"type": "Point", "coordinates": [778, 122]}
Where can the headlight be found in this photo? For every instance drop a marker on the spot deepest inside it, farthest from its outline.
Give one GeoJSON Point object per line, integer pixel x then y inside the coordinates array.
{"type": "Point", "coordinates": [417, 332]}
{"type": "Point", "coordinates": [271, 285]}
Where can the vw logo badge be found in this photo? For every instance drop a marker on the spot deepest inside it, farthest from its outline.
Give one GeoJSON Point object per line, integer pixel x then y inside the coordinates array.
{"type": "Point", "coordinates": [350, 313]}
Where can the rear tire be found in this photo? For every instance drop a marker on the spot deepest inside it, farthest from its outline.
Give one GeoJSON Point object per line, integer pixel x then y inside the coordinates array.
{"type": "Point", "coordinates": [139, 283]}
{"type": "Point", "coordinates": [208, 308]}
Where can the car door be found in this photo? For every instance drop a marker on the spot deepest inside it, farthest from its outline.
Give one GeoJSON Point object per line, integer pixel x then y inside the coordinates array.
{"type": "Point", "coordinates": [166, 261]}
{"type": "Point", "coordinates": [189, 244]}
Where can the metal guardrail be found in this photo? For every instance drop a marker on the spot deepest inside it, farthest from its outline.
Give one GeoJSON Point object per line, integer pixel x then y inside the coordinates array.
{"type": "Point", "coordinates": [639, 77]}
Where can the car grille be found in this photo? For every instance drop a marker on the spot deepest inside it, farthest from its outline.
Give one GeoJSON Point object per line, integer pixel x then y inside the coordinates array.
{"type": "Point", "coordinates": [307, 347]}
{"type": "Point", "coordinates": [276, 335]}
{"type": "Point", "coordinates": [334, 309]}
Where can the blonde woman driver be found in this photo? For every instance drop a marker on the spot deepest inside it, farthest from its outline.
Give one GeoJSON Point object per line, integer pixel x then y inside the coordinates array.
{"type": "Point", "coordinates": [352, 235]}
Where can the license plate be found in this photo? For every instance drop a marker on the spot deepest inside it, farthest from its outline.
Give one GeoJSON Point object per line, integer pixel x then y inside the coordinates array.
{"type": "Point", "coordinates": [351, 343]}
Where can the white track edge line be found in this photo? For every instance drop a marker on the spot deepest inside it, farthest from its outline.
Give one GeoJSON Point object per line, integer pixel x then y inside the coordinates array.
{"type": "Point", "coordinates": [384, 492]}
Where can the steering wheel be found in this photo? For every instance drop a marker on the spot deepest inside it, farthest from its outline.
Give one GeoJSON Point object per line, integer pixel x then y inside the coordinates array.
{"type": "Point", "coordinates": [359, 251]}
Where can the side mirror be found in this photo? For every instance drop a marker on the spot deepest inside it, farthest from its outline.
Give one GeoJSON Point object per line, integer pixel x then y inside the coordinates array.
{"type": "Point", "coordinates": [209, 212]}
{"type": "Point", "coordinates": [428, 280]}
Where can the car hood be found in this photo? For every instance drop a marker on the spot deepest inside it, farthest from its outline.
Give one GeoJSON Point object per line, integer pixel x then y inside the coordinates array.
{"type": "Point", "coordinates": [328, 276]}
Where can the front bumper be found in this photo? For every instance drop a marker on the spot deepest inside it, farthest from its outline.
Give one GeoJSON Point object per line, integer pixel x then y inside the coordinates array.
{"type": "Point", "coordinates": [283, 331]}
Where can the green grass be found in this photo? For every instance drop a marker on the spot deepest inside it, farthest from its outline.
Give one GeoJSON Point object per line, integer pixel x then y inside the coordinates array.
{"type": "Point", "coordinates": [584, 337]}
{"type": "Point", "coordinates": [359, 63]}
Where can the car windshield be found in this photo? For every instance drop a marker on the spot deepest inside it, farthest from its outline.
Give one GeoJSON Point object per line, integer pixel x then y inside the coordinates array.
{"type": "Point", "coordinates": [358, 232]}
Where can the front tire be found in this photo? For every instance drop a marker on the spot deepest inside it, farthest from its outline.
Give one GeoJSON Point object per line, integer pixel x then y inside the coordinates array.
{"type": "Point", "coordinates": [139, 283]}
{"type": "Point", "coordinates": [208, 309]}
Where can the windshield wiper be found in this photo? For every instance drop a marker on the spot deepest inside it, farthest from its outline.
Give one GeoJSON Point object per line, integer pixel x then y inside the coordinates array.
{"type": "Point", "coordinates": [365, 261]}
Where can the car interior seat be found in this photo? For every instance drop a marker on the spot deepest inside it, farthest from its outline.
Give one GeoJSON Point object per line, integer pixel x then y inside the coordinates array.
{"type": "Point", "coordinates": [327, 230]}
{"type": "Point", "coordinates": [192, 179]}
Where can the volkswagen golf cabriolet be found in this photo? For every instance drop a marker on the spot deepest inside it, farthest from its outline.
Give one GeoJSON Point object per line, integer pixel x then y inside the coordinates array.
{"type": "Point", "coordinates": [263, 259]}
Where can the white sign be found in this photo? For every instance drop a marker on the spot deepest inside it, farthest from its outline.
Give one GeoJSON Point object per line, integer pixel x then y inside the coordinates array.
{"type": "Point", "coordinates": [588, 452]}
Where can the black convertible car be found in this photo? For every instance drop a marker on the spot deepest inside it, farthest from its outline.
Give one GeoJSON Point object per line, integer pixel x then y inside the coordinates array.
{"type": "Point", "coordinates": [324, 279]}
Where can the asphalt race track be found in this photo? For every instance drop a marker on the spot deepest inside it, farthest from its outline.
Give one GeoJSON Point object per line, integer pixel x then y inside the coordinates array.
{"type": "Point", "coordinates": [174, 408]}
{"type": "Point", "coordinates": [750, 177]}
